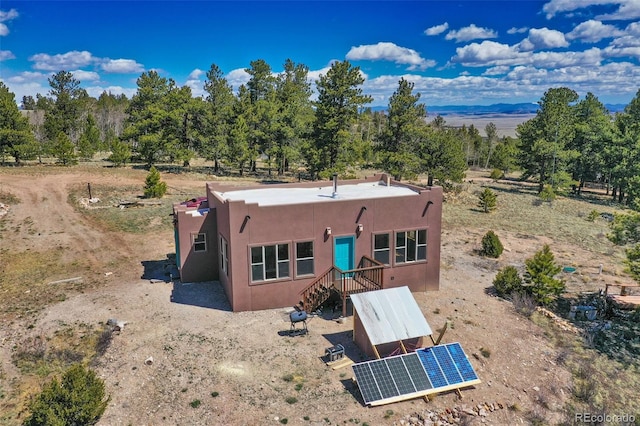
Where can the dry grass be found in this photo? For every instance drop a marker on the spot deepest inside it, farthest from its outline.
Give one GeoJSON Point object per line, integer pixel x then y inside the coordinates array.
{"type": "Point", "coordinates": [25, 276]}
{"type": "Point", "coordinates": [518, 211]}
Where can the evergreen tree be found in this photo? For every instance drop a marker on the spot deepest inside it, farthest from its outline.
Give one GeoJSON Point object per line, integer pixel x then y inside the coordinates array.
{"type": "Point", "coordinates": [120, 153]}
{"type": "Point", "coordinates": [89, 141]}
{"type": "Point", "coordinates": [508, 281]}
{"type": "Point", "coordinates": [540, 274]}
{"type": "Point", "coordinates": [154, 187]}
{"type": "Point", "coordinates": [78, 399]}
{"type": "Point", "coordinates": [441, 155]}
{"type": "Point", "coordinates": [294, 116]}
{"type": "Point", "coordinates": [219, 103]}
{"type": "Point", "coordinates": [66, 110]}
{"type": "Point", "coordinates": [491, 245]}
{"type": "Point", "coordinates": [399, 142]}
{"type": "Point", "coordinates": [545, 139]}
{"type": "Point", "coordinates": [339, 97]}
{"type": "Point", "coordinates": [16, 138]}
{"type": "Point", "coordinates": [487, 200]}
{"type": "Point", "coordinates": [64, 150]}
{"type": "Point", "coordinates": [147, 113]}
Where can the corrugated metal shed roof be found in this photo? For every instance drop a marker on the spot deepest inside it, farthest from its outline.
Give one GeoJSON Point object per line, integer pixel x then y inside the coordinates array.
{"type": "Point", "coordinates": [390, 315]}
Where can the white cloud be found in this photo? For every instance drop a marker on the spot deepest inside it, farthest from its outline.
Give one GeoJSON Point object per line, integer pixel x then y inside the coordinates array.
{"type": "Point", "coordinates": [472, 32]}
{"type": "Point", "coordinates": [237, 77]}
{"type": "Point", "coordinates": [5, 17]}
{"type": "Point", "coordinates": [515, 30]}
{"type": "Point", "coordinates": [64, 61]}
{"type": "Point", "coordinates": [592, 31]}
{"type": "Point", "coordinates": [486, 53]}
{"type": "Point", "coordinates": [543, 38]}
{"type": "Point", "coordinates": [8, 16]}
{"type": "Point", "coordinates": [6, 54]}
{"type": "Point", "coordinates": [195, 74]}
{"type": "Point", "coordinates": [314, 75]}
{"type": "Point", "coordinates": [121, 66]}
{"type": "Point", "coordinates": [498, 70]}
{"type": "Point", "coordinates": [28, 77]}
{"type": "Point", "coordinates": [194, 83]}
{"type": "Point", "coordinates": [385, 51]}
{"type": "Point", "coordinates": [85, 75]}
{"type": "Point", "coordinates": [627, 9]}
{"type": "Point", "coordinates": [436, 30]}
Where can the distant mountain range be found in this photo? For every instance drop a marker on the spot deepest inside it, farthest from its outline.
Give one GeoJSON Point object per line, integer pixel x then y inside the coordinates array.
{"type": "Point", "coordinates": [522, 108]}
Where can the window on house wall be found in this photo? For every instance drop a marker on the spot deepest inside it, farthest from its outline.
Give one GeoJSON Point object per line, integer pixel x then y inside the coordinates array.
{"type": "Point", "coordinates": [224, 255]}
{"type": "Point", "coordinates": [411, 246]}
{"type": "Point", "coordinates": [304, 258]}
{"type": "Point", "coordinates": [269, 262]}
{"type": "Point", "coordinates": [199, 242]}
{"type": "Point", "coordinates": [382, 248]}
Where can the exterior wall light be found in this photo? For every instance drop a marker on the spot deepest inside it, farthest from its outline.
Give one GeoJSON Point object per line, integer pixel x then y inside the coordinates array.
{"type": "Point", "coordinates": [328, 230]}
{"type": "Point", "coordinates": [360, 227]}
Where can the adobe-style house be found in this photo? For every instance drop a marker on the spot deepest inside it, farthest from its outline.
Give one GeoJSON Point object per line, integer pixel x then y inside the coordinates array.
{"type": "Point", "coordinates": [295, 244]}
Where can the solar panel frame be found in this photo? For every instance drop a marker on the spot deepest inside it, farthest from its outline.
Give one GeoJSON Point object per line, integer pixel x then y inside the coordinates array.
{"type": "Point", "coordinates": [428, 370]}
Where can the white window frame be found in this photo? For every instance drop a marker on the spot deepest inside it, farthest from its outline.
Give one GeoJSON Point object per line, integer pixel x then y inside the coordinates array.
{"type": "Point", "coordinates": [263, 263]}
{"type": "Point", "coordinates": [195, 241]}
{"type": "Point", "coordinates": [405, 246]}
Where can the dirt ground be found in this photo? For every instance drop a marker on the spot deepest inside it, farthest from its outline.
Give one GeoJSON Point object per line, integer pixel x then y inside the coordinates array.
{"type": "Point", "coordinates": [183, 358]}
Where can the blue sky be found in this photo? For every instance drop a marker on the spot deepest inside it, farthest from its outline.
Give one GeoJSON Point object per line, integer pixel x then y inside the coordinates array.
{"type": "Point", "coordinates": [455, 52]}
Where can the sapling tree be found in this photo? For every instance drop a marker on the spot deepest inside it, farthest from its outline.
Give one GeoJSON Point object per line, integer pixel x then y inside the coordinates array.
{"type": "Point", "coordinates": [487, 200]}
{"type": "Point", "coordinates": [540, 274]}
{"type": "Point", "coordinates": [154, 186]}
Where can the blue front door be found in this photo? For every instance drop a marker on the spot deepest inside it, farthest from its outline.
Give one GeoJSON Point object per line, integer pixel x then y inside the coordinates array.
{"type": "Point", "coordinates": [344, 252]}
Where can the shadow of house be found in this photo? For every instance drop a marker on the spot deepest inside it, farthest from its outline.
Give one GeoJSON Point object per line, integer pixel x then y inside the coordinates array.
{"type": "Point", "coordinates": [159, 270]}
{"type": "Point", "coordinates": [209, 294]}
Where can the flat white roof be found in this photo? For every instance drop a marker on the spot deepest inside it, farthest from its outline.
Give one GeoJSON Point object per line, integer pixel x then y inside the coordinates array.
{"type": "Point", "coordinates": [390, 315]}
{"type": "Point", "coordinates": [275, 196]}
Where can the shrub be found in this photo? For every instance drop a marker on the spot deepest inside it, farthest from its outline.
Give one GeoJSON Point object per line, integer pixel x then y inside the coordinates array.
{"type": "Point", "coordinates": [78, 399]}
{"type": "Point", "coordinates": [496, 174]}
{"type": "Point", "coordinates": [593, 215]}
{"type": "Point", "coordinates": [539, 275]}
{"type": "Point", "coordinates": [154, 187]}
{"type": "Point", "coordinates": [491, 245]}
{"type": "Point", "coordinates": [487, 200]}
{"type": "Point", "coordinates": [547, 194]}
{"type": "Point", "coordinates": [195, 403]}
{"type": "Point", "coordinates": [507, 281]}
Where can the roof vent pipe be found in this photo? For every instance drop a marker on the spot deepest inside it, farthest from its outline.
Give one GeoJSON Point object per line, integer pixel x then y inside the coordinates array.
{"type": "Point", "coordinates": [335, 185]}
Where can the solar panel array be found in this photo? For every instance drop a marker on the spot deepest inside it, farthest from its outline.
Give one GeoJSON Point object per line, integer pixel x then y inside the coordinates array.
{"type": "Point", "coordinates": [426, 371]}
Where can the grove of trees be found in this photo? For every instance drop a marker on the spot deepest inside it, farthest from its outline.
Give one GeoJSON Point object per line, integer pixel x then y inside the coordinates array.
{"type": "Point", "coordinates": [273, 120]}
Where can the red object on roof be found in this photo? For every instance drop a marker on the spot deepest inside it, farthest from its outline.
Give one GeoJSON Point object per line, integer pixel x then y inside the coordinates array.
{"type": "Point", "coordinates": [194, 202]}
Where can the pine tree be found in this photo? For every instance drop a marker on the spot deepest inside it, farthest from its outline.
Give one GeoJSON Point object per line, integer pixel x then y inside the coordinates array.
{"type": "Point", "coordinates": [154, 187]}
{"type": "Point", "coordinates": [488, 200]}
{"type": "Point", "coordinates": [539, 276]}
{"type": "Point", "coordinates": [120, 153]}
{"type": "Point", "coordinates": [64, 150]}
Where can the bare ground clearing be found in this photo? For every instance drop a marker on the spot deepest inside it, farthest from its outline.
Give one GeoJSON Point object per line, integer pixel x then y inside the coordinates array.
{"type": "Point", "coordinates": [211, 366]}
